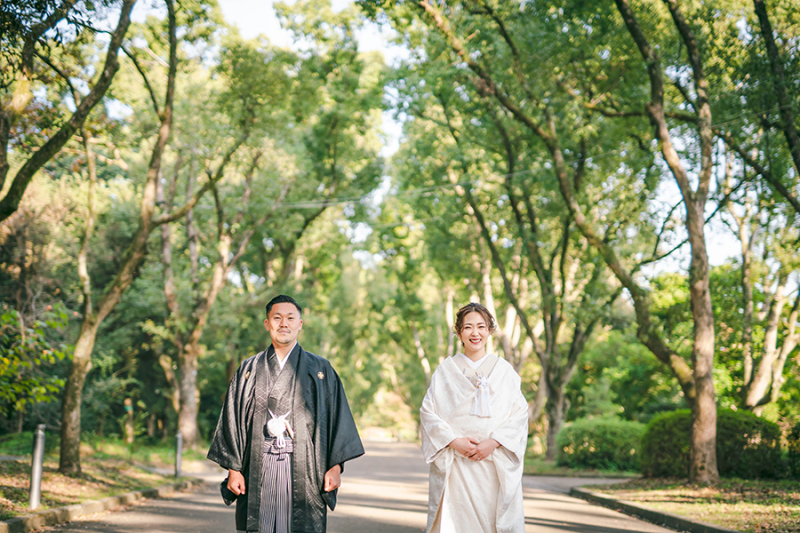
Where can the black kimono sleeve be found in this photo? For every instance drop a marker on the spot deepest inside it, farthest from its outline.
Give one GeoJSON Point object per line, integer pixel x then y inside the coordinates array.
{"type": "Point", "coordinates": [344, 442]}
{"type": "Point", "coordinates": [230, 444]}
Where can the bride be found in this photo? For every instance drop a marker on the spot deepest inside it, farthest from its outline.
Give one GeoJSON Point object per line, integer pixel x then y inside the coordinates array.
{"type": "Point", "coordinates": [474, 433]}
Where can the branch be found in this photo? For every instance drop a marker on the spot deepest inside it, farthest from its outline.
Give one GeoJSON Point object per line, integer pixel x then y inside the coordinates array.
{"type": "Point", "coordinates": [612, 113]}
{"type": "Point", "coordinates": [702, 104]}
{"type": "Point", "coordinates": [13, 197]}
{"type": "Point", "coordinates": [720, 206]}
{"type": "Point", "coordinates": [766, 174]}
{"type": "Point", "coordinates": [166, 218]}
{"type": "Point", "coordinates": [685, 94]}
{"type": "Point", "coordinates": [139, 68]}
{"type": "Point", "coordinates": [779, 83]}
{"type": "Point", "coordinates": [512, 46]}
{"type": "Point", "coordinates": [75, 94]}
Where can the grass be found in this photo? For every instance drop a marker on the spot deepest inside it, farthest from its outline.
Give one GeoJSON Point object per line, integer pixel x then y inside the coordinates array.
{"type": "Point", "coordinates": [753, 506]}
{"type": "Point", "coordinates": [537, 466]}
{"type": "Point", "coordinates": [110, 467]}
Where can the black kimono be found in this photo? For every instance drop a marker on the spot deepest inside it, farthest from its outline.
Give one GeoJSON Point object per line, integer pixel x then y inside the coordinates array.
{"type": "Point", "coordinates": [325, 435]}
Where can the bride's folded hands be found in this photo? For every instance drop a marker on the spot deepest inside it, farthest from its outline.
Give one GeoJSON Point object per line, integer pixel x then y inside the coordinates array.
{"type": "Point", "coordinates": [464, 445]}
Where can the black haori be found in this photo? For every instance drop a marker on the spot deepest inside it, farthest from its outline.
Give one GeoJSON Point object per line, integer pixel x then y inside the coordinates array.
{"type": "Point", "coordinates": [325, 435]}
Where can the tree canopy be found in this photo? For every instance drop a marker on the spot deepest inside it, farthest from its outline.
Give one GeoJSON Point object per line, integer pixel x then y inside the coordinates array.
{"type": "Point", "coordinates": [572, 165]}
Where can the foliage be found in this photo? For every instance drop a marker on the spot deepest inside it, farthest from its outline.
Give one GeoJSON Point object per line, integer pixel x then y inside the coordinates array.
{"type": "Point", "coordinates": [381, 250]}
{"type": "Point", "coordinates": [793, 451]}
{"type": "Point", "coordinates": [618, 376]}
{"type": "Point", "coordinates": [26, 351]}
{"type": "Point", "coordinates": [665, 445]}
{"type": "Point", "coordinates": [21, 444]}
{"type": "Point", "coordinates": [748, 447]}
{"type": "Point", "coordinates": [607, 443]}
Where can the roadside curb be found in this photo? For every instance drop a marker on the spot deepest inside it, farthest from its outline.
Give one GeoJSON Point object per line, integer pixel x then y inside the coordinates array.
{"type": "Point", "coordinates": [59, 515]}
{"type": "Point", "coordinates": [661, 518]}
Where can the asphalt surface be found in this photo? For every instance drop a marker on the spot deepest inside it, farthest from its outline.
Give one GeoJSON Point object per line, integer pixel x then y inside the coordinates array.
{"type": "Point", "coordinates": [385, 491]}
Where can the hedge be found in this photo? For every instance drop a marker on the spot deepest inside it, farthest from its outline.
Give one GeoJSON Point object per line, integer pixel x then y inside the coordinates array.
{"type": "Point", "coordinates": [748, 447]}
{"type": "Point", "coordinates": [793, 449]}
{"type": "Point", "coordinates": [607, 443]}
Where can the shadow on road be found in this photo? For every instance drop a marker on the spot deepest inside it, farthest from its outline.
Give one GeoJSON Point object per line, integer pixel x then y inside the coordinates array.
{"type": "Point", "coordinates": [386, 491]}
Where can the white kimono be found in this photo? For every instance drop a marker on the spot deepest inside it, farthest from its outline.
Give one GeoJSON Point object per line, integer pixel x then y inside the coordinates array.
{"type": "Point", "coordinates": [464, 495]}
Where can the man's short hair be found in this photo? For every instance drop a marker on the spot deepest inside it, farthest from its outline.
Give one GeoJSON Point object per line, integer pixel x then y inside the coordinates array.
{"type": "Point", "coordinates": [283, 299]}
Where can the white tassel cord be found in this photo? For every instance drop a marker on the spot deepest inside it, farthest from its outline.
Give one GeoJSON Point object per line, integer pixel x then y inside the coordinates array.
{"type": "Point", "coordinates": [277, 426]}
{"type": "Point", "coordinates": [480, 404]}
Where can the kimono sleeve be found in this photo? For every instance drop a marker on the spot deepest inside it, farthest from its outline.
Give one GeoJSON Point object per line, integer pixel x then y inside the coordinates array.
{"type": "Point", "coordinates": [230, 439]}
{"type": "Point", "coordinates": [513, 433]}
{"type": "Point", "coordinates": [436, 432]}
{"type": "Point", "coordinates": [344, 442]}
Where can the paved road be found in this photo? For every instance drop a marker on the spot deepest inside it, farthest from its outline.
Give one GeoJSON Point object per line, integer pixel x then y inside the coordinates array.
{"type": "Point", "coordinates": [384, 492]}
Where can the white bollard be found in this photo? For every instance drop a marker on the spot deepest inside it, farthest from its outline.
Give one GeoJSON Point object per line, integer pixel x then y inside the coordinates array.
{"type": "Point", "coordinates": [178, 453]}
{"type": "Point", "coordinates": [37, 458]}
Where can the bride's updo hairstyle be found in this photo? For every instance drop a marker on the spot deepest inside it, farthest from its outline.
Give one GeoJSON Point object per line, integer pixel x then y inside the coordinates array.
{"type": "Point", "coordinates": [474, 308]}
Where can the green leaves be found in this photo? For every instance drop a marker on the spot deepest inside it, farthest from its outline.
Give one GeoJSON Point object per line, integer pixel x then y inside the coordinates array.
{"type": "Point", "coordinates": [26, 358]}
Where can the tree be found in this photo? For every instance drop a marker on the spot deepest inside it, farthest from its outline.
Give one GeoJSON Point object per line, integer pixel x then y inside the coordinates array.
{"type": "Point", "coordinates": [148, 220]}
{"type": "Point", "coordinates": [317, 110]}
{"type": "Point", "coordinates": [542, 108]}
{"type": "Point", "coordinates": [30, 32]}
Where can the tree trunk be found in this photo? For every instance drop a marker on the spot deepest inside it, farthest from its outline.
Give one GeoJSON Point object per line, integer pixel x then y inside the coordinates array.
{"type": "Point", "coordinates": [757, 390]}
{"type": "Point", "coordinates": [187, 416]}
{"type": "Point", "coordinates": [556, 409]}
{"type": "Point", "coordinates": [70, 459]}
{"type": "Point", "coordinates": [449, 317]}
{"type": "Point", "coordinates": [426, 366]}
{"type": "Point", "coordinates": [703, 468]}
{"type": "Point", "coordinates": [69, 462]}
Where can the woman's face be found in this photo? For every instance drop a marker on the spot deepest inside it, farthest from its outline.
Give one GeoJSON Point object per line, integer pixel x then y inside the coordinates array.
{"type": "Point", "coordinates": [474, 334]}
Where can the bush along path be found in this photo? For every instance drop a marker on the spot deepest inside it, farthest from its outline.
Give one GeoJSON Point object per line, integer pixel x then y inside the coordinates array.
{"type": "Point", "coordinates": [748, 447]}
{"type": "Point", "coordinates": [760, 487]}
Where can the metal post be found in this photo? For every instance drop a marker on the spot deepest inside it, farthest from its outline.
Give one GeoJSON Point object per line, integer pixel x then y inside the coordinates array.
{"type": "Point", "coordinates": [178, 453]}
{"type": "Point", "coordinates": [37, 458]}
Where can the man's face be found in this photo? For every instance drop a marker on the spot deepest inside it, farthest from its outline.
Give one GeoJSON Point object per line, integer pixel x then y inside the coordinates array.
{"type": "Point", "coordinates": [284, 324]}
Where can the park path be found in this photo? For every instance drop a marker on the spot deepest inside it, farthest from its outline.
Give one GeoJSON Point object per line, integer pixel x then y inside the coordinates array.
{"type": "Point", "coordinates": [385, 491]}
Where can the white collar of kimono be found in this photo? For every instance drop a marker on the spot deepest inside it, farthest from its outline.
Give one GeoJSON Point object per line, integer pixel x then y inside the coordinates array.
{"type": "Point", "coordinates": [282, 362]}
{"type": "Point", "coordinates": [475, 364]}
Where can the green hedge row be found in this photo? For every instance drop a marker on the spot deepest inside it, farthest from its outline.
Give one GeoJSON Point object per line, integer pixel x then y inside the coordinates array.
{"type": "Point", "coordinates": [748, 447]}
{"type": "Point", "coordinates": [606, 443]}
{"type": "Point", "coordinates": [793, 449]}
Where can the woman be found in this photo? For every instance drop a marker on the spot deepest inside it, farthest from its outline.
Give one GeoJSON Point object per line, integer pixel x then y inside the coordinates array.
{"type": "Point", "coordinates": [474, 433]}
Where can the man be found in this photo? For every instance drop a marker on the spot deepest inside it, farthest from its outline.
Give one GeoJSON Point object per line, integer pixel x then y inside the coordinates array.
{"type": "Point", "coordinates": [284, 433]}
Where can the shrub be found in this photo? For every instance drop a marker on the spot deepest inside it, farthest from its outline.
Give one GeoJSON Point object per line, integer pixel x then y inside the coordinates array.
{"type": "Point", "coordinates": [665, 445]}
{"type": "Point", "coordinates": [747, 446]}
{"type": "Point", "coordinates": [793, 449]}
{"type": "Point", "coordinates": [607, 443]}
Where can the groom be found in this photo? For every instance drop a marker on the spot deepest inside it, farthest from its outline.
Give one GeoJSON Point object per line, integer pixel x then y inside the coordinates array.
{"type": "Point", "coordinates": [284, 433]}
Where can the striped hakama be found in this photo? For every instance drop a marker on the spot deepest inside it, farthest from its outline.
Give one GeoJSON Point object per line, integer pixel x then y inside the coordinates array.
{"type": "Point", "coordinates": [276, 487]}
